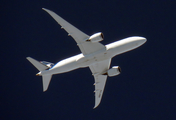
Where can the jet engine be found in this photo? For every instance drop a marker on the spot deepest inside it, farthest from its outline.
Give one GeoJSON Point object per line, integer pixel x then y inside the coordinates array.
{"type": "Point", "coordinates": [97, 37]}
{"type": "Point", "coordinates": [115, 70]}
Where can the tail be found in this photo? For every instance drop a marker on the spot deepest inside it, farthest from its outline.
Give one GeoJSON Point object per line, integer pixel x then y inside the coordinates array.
{"type": "Point", "coordinates": [37, 64]}
{"type": "Point", "coordinates": [45, 78]}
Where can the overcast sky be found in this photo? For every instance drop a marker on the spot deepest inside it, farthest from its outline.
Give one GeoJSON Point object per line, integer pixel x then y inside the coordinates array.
{"type": "Point", "coordinates": [145, 90]}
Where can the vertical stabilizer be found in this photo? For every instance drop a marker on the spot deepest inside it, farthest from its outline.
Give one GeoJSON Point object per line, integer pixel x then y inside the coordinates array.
{"type": "Point", "coordinates": [46, 80]}
{"type": "Point", "coordinates": [37, 64]}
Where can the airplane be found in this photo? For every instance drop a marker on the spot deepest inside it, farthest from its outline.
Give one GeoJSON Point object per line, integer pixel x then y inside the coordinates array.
{"type": "Point", "coordinates": [94, 55]}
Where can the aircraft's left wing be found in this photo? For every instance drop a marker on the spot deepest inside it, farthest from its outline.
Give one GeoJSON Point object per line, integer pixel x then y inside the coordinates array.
{"type": "Point", "coordinates": [79, 36]}
{"type": "Point", "coordinates": [97, 70]}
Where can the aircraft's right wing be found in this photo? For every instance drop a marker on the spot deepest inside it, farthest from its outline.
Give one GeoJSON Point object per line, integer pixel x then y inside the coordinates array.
{"type": "Point", "coordinates": [79, 36]}
{"type": "Point", "coordinates": [97, 70]}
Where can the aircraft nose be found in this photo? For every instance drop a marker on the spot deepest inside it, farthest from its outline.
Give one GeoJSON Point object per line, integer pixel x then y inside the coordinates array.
{"type": "Point", "coordinates": [138, 41]}
{"type": "Point", "coordinates": [141, 40]}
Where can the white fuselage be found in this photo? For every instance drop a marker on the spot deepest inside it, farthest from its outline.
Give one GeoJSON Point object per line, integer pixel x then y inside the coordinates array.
{"type": "Point", "coordinates": [81, 60]}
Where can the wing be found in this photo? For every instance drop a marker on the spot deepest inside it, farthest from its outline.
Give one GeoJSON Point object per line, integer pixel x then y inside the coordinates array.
{"type": "Point", "coordinates": [77, 35]}
{"type": "Point", "coordinates": [97, 70]}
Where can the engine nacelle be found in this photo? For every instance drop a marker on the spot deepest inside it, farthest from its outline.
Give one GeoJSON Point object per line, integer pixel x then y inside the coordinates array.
{"type": "Point", "coordinates": [115, 70]}
{"type": "Point", "coordinates": [97, 37]}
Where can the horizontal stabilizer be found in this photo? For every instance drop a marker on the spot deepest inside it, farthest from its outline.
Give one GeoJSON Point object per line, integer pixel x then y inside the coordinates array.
{"type": "Point", "coordinates": [46, 80]}
{"type": "Point", "coordinates": [37, 64]}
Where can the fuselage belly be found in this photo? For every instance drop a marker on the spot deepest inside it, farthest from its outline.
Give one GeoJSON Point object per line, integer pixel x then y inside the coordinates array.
{"type": "Point", "coordinates": [80, 60]}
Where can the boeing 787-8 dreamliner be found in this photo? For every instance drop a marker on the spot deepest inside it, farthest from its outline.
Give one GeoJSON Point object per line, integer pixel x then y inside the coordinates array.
{"type": "Point", "coordinates": [94, 55]}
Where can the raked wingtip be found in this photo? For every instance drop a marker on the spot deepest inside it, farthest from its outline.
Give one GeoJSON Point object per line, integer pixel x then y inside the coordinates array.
{"type": "Point", "coordinates": [95, 106]}
{"type": "Point", "coordinates": [44, 9]}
